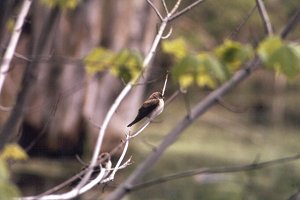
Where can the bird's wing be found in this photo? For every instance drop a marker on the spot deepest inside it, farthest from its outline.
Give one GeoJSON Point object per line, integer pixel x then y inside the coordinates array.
{"type": "Point", "coordinates": [148, 106]}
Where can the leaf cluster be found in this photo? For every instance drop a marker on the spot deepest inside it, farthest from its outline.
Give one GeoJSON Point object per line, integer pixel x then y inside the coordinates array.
{"type": "Point", "coordinates": [206, 69]}
{"type": "Point", "coordinates": [209, 69]}
{"type": "Point", "coordinates": [10, 152]}
{"type": "Point", "coordinates": [125, 64]}
{"type": "Point", "coordinates": [283, 57]}
{"type": "Point", "coordinates": [63, 4]}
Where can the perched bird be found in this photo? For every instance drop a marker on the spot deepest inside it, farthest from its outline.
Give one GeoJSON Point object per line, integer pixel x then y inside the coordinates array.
{"type": "Point", "coordinates": [151, 108]}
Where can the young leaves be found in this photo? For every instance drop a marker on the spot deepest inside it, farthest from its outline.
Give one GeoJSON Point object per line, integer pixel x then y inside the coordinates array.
{"type": "Point", "coordinates": [125, 64]}
{"type": "Point", "coordinates": [63, 4]}
{"type": "Point", "coordinates": [282, 57]}
{"type": "Point", "coordinates": [10, 152]}
{"type": "Point", "coordinates": [14, 152]}
{"type": "Point", "coordinates": [205, 69]}
{"type": "Point", "coordinates": [232, 54]}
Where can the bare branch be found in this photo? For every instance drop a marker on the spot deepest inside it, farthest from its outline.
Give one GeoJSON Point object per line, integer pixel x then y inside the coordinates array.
{"type": "Point", "coordinates": [155, 9]}
{"type": "Point", "coordinates": [174, 9]}
{"type": "Point", "coordinates": [234, 33]}
{"type": "Point", "coordinates": [291, 24]}
{"type": "Point", "coordinates": [264, 16]}
{"type": "Point", "coordinates": [218, 170]}
{"type": "Point", "coordinates": [116, 168]}
{"type": "Point", "coordinates": [168, 34]}
{"type": "Point", "coordinates": [178, 14]}
{"type": "Point", "coordinates": [9, 53]}
{"type": "Point", "coordinates": [165, 6]}
{"type": "Point", "coordinates": [229, 107]}
{"type": "Point", "coordinates": [165, 84]}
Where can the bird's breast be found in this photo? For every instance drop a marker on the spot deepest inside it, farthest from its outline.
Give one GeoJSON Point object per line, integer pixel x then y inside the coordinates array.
{"type": "Point", "coordinates": [158, 109]}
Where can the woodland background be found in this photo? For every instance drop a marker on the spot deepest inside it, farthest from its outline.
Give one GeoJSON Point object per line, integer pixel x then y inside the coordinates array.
{"type": "Point", "coordinates": [65, 102]}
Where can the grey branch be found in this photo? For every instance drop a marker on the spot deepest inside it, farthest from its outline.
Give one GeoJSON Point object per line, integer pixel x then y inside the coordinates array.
{"type": "Point", "coordinates": [264, 16]}
{"type": "Point", "coordinates": [218, 170]}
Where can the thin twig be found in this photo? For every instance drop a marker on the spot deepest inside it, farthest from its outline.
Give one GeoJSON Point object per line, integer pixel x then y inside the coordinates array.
{"type": "Point", "coordinates": [165, 84]}
{"type": "Point", "coordinates": [264, 16]}
{"type": "Point", "coordinates": [291, 24]}
{"type": "Point", "coordinates": [178, 14]}
{"type": "Point", "coordinates": [165, 6]}
{"type": "Point", "coordinates": [155, 9]}
{"type": "Point", "coordinates": [229, 107]}
{"type": "Point", "coordinates": [218, 170]}
{"type": "Point", "coordinates": [168, 34]}
{"type": "Point", "coordinates": [116, 168]}
{"type": "Point", "coordinates": [234, 33]}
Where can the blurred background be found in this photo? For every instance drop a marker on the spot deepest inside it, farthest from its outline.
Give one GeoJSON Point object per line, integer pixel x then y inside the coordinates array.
{"type": "Point", "coordinates": [64, 102]}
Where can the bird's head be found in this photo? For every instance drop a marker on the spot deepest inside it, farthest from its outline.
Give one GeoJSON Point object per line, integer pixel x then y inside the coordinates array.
{"type": "Point", "coordinates": [156, 95]}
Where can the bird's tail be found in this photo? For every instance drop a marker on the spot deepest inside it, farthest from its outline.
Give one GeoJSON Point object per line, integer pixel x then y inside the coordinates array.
{"type": "Point", "coordinates": [129, 125]}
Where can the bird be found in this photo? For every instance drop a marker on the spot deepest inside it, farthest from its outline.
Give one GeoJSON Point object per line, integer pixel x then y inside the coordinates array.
{"type": "Point", "coordinates": [151, 108]}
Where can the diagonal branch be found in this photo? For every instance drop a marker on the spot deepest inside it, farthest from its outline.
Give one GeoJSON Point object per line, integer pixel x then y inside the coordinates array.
{"type": "Point", "coordinates": [178, 14]}
{"type": "Point", "coordinates": [217, 170]}
{"type": "Point", "coordinates": [265, 17]}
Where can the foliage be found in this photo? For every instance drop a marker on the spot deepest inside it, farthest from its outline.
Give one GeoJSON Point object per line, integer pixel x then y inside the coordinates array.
{"type": "Point", "coordinates": [63, 4]}
{"type": "Point", "coordinates": [206, 69]}
{"type": "Point", "coordinates": [10, 152]}
{"type": "Point", "coordinates": [281, 56]}
{"type": "Point", "coordinates": [125, 64]}
{"type": "Point", "coordinates": [233, 54]}
{"type": "Point", "coordinates": [13, 151]}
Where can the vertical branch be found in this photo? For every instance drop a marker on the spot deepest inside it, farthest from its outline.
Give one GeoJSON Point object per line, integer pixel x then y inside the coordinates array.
{"type": "Point", "coordinates": [165, 84]}
{"type": "Point", "coordinates": [9, 53]}
{"type": "Point", "coordinates": [265, 17]}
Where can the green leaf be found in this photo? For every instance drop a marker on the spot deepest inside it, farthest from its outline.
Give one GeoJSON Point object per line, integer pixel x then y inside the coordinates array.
{"type": "Point", "coordinates": [176, 47]}
{"type": "Point", "coordinates": [233, 54]}
{"type": "Point", "coordinates": [205, 80]}
{"type": "Point", "coordinates": [13, 151]}
{"type": "Point", "coordinates": [185, 72]}
{"type": "Point", "coordinates": [7, 189]}
{"type": "Point", "coordinates": [98, 60]}
{"type": "Point", "coordinates": [126, 65]}
{"type": "Point", "coordinates": [195, 70]}
{"type": "Point", "coordinates": [186, 80]}
{"type": "Point", "coordinates": [214, 67]}
{"type": "Point", "coordinates": [63, 4]}
{"type": "Point", "coordinates": [268, 46]}
{"type": "Point", "coordinates": [286, 60]}
{"type": "Point", "coordinates": [282, 57]}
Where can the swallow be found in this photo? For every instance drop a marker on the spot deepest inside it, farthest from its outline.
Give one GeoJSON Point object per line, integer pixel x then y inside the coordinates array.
{"type": "Point", "coordinates": [151, 108]}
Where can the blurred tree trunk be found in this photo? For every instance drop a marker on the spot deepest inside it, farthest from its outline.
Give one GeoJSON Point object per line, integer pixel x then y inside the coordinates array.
{"type": "Point", "coordinates": [65, 99]}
